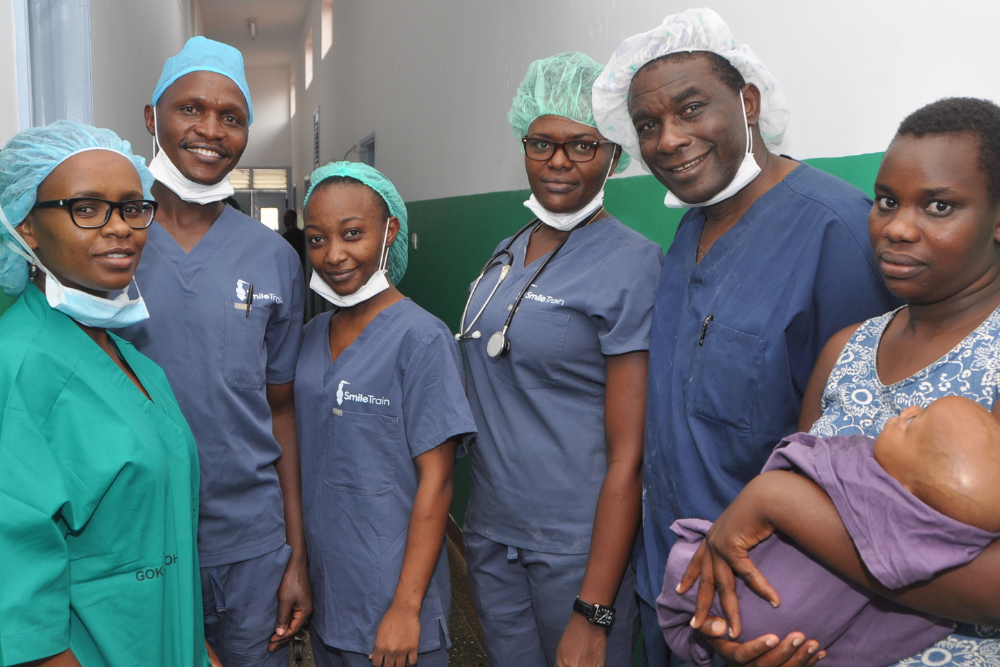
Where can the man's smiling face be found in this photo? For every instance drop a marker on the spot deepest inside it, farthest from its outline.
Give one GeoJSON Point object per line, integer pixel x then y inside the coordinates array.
{"type": "Point", "coordinates": [691, 128]}
{"type": "Point", "coordinates": [202, 123]}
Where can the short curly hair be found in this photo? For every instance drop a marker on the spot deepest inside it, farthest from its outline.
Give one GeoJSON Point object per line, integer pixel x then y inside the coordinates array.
{"type": "Point", "coordinates": [960, 115]}
{"type": "Point", "coordinates": [721, 68]}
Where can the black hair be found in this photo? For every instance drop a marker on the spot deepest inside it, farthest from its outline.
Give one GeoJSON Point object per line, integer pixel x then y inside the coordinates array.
{"type": "Point", "coordinates": [961, 115]}
{"type": "Point", "coordinates": [721, 68]}
{"type": "Point", "coordinates": [347, 180]}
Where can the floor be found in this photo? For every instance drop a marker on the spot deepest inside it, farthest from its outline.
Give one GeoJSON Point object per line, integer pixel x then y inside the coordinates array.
{"type": "Point", "coordinates": [466, 635]}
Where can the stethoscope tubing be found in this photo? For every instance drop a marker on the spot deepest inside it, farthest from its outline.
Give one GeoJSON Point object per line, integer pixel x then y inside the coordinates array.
{"type": "Point", "coordinates": [465, 333]}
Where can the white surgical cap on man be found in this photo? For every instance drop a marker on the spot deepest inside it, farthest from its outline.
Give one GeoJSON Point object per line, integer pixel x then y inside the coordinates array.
{"type": "Point", "coordinates": [691, 30]}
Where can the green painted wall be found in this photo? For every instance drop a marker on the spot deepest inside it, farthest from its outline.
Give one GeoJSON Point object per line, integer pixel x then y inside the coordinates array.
{"type": "Point", "coordinates": [456, 235]}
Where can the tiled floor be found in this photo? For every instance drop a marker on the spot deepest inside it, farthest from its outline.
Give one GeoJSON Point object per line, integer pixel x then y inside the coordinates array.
{"type": "Point", "coordinates": [466, 635]}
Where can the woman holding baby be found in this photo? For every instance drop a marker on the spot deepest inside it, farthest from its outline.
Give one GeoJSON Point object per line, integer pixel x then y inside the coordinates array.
{"type": "Point", "coordinates": [935, 232]}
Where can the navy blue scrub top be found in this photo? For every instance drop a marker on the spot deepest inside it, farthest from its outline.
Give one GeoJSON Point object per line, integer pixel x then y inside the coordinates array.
{"type": "Point", "coordinates": [734, 342]}
{"type": "Point", "coordinates": [541, 456]}
{"type": "Point", "coordinates": [395, 393]}
{"type": "Point", "coordinates": [218, 362]}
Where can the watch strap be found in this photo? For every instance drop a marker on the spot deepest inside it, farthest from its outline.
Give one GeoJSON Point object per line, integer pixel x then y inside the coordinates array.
{"type": "Point", "coordinates": [595, 613]}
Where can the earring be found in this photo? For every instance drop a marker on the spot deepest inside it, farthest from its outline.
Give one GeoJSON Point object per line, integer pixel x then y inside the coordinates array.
{"type": "Point", "coordinates": [32, 272]}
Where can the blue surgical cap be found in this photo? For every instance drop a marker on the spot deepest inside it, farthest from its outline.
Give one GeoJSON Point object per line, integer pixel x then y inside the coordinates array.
{"type": "Point", "coordinates": [374, 179]}
{"type": "Point", "coordinates": [560, 85]}
{"type": "Point", "coordinates": [26, 161]}
{"type": "Point", "coordinates": [205, 55]}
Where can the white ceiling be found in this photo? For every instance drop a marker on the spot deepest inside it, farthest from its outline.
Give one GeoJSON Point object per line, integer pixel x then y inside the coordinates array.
{"type": "Point", "coordinates": [279, 23]}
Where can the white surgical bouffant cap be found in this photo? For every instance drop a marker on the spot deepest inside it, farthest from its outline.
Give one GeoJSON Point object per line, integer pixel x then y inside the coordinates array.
{"type": "Point", "coordinates": [691, 30]}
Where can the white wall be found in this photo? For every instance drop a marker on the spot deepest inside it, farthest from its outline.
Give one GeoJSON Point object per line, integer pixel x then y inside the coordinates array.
{"type": "Point", "coordinates": [435, 78]}
{"type": "Point", "coordinates": [270, 143]}
{"type": "Point", "coordinates": [130, 40]}
{"type": "Point", "coordinates": [8, 73]}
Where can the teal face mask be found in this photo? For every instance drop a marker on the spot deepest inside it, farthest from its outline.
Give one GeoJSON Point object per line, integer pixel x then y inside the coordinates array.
{"type": "Point", "coordinates": [87, 309]}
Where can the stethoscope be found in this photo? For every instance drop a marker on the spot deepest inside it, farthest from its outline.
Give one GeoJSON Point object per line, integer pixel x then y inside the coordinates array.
{"type": "Point", "coordinates": [499, 345]}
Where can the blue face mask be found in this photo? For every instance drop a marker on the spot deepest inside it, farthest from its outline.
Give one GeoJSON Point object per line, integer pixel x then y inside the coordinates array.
{"type": "Point", "coordinates": [93, 311]}
{"type": "Point", "coordinates": [87, 309]}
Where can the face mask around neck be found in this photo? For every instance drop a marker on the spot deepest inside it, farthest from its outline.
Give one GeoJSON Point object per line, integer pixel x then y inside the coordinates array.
{"type": "Point", "coordinates": [567, 221]}
{"type": "Point", "coordinates": [165, 172]}
{"type": "Point", "coordinates": [749, 169]}
{"type": "Point", "coordinates": [376, 284]}
{"type": "Point", "coordinates": [87, 309]}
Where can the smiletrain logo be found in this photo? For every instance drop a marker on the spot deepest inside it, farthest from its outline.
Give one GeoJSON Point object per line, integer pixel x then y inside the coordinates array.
{"type": "Point", "coordinates": [357, 398]}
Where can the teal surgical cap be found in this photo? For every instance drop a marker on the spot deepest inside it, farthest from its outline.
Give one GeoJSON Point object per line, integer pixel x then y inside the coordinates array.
{"type": "Point", "coordinates": [558, 86]}
{"type": "Point", "coordinates": [25, 162]}
{"type": "Point", "coordinates": [373, 178]}
{"type": "Point", "coordinates": [205, 55]}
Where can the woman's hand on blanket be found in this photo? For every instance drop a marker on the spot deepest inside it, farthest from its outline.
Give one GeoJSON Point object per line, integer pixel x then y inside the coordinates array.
{"type": "Point", "coordinates": [764, 651]}
{"type": "Point", "coordinates": [725, 551]}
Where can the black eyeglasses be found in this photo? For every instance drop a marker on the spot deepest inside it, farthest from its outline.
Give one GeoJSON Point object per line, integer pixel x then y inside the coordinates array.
{"type": "Point", "coordinates": [90, 213]}
{"type": "Point", "coordinates": [578, 150]}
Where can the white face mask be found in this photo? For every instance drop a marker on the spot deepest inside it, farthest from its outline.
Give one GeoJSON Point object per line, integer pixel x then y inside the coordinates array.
{"type": "Point", "coordinates": [377, 284]}
{"type": "Point", "coordinates": [567, 221]}
{"type": "Point", "coordinates": [87, 309]}
{"type": "Point", "coordinates": [748, 171]}
{"type": "Point", "coordinates": [165, 172]}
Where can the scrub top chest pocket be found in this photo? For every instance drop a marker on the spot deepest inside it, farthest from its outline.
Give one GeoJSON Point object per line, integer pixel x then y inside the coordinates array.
{"type": "Point", "coordinates": [245, 362]}
{"type": "Point", "coordinates": [360, 456]}
{"type": "Point", "coordinates": [725, 374]}
{"type": "Point", "coordinates": [537, 339]}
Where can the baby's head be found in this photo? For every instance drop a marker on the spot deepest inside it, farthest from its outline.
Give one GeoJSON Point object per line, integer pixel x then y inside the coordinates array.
{"type": "Point", "coordinates": [948, 456]}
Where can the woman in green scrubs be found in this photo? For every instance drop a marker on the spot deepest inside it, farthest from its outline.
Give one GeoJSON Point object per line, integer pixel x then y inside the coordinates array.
{"type": "Point", "coordinates": [98, 469]}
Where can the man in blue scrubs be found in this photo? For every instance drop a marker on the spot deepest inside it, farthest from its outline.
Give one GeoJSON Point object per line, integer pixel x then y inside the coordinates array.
{"type": "Point", "coordinates": [771, 260]}
{"type": "Point", "coordinates": [225, 299]}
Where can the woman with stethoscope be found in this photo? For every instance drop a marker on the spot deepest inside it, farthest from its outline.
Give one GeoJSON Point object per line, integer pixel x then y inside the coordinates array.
{"type": "Point", "coordinates": [555, 338]}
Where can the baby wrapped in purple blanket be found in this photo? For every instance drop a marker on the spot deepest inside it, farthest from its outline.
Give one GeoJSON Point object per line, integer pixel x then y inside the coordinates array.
{"type": "Point", "coordinates": [922, 498]}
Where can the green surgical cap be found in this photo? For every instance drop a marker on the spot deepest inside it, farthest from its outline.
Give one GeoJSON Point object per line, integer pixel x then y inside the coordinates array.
{"type": "Point", "coordinates": [26, 161]}
{"type": "Point", "coordinates": [205, 55]}
{"type": "Point", "coordinates": [558, 86]}
{"type": "Point", "coordinates": [374, 179]}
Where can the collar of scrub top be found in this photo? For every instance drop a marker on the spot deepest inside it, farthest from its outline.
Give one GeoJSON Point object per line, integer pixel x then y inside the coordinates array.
{"type": "Point", "coordinates": [498, 345]}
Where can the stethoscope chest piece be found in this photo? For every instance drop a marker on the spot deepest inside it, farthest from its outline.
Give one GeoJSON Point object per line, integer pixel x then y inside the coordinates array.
{"type": "Point", "coordinates": [497, 346]}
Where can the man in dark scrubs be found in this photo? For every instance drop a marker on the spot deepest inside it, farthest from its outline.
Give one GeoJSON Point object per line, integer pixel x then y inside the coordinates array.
{"type": "Point", "coordinates": [225, 298]}
{"type": "Point", "coordinates": [770, 261]}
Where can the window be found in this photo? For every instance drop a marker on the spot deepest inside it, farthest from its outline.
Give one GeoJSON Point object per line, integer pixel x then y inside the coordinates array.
{"type": "Point", "coordinates": [53, 61]}
{"type": "Point", "coordinates": [270, 179]}
{"type": "Point", "coordinates": [262, 193]}
{"type": "Point", "coordinates": [269, 216]}
{"type": "Point", "coordinates": [291, 98]}
{"type": "Point", "coordinates": [240, 179]}
{"type": "Point", "coordinates": [309, 58]}
{"type": "Point", "coordinates": [259, 179]}
{"type": "Point", "coordinates": [366, 150]}
{"type": "Point", "coordinates": [326, 36]}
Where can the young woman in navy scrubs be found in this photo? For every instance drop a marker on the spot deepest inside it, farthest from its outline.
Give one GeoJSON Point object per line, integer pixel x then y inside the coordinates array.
{"type": "Point", "coordinates": [556, 468]}
{"type": "Point", "coordinates": [381, 411]}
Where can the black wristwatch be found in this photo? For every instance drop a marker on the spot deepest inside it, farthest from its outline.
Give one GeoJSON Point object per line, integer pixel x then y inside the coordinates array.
{"type": "Point", "coordinates": [595, 613]}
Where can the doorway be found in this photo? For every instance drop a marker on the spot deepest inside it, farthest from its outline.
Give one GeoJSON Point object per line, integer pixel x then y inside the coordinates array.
{"type": "Point", "coordinates": [262, 193]}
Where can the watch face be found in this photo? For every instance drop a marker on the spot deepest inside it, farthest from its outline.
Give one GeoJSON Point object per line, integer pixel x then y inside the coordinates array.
{"type": "Point", "coordinates": [603, 616]}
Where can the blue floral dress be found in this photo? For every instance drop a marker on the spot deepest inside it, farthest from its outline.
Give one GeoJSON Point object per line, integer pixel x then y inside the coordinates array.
{"type": "Point", "coordinates": [856, 402]}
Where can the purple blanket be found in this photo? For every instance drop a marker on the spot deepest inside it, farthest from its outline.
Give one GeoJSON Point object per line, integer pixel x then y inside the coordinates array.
{"type": "Point", "coordinates": [901, 541]}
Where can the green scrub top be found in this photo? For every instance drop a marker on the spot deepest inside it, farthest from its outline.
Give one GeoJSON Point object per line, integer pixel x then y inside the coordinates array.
{"type": "Point", "coordinates": [98, 502]}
